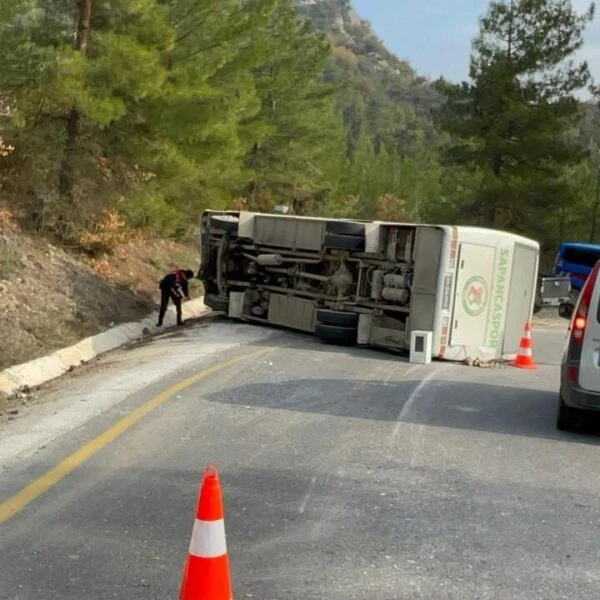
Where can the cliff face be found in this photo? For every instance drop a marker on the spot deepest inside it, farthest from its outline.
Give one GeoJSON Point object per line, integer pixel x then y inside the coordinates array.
{"type": "Point", "coordinates": [330, 14]}
{"type": "Point", "coordinates": [346, 29]}
{"type": "Point", "coordinates": [384, 91]}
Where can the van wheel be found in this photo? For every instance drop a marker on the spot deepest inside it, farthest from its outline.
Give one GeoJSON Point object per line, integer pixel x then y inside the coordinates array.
{"type": "Point", "coordinates": [336, 317]}
{"type": "Point", "coordinates": [225, 223]}
{"type": "Point", "coordinates": [344, 336]}
{"type": "Point", "coordinates": [565, 310]}
{"type": "Point", "coordinates": [344, 242]}
{"type": "Point", "coordinates": [567, 417]}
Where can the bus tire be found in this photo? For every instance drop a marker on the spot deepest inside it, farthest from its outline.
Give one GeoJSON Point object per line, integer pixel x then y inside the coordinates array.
{"type": "Point", "coordinates": [217, 303]}
{"type": "Point", "coordinates": [225, 223]}
{"type": "Point", "coordinates": [343, 336]}
{"type": "Point", "coordinates": [343, 242]}
{"type": "Point", "coordinates": [345, 228]}
{"type": "Point", "coordinates": [337, 318]}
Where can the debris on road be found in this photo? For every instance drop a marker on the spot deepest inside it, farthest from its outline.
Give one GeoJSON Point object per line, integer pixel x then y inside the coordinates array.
{"type": "Point", "coordinates": [22, 393]}
{"type": "Point", "coordinates": [484, 364]}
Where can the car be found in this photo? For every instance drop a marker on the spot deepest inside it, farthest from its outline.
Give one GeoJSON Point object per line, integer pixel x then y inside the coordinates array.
{"type": "Point", "coordinates": [551, 291]}
{"type": "Point", "coordinates": [576, 259]}
{"type": "Point", "coordinates": [580, 364]}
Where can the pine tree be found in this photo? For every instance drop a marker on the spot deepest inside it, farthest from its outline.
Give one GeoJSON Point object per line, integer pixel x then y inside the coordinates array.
{"type": "Point", "coordinates": [75, 93]}
{"type": "Point", "coordinates": [292, 138]}
{"type": "Point", "coordinates": [514, 122]}
{"type": "Point", "coordinates": [144, 111]}
{"type": "Point", "coordinates": [190, 137]}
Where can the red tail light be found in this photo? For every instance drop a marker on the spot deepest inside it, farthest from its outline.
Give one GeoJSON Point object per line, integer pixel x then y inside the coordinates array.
{"type": "Point", "coordinates": [579, 318]}
{"type": "Point", "coordinates": [572, 372]}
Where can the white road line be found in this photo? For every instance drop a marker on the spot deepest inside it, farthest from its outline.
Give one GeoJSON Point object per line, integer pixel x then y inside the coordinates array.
{"type": "Point", "coordinates": [414, 396]}
{"type": "Point", "coordinates": [307, 497]}
{"type": "Point", "coordinates": [416, 393]}
{"type": "Point", "coordinates": [410, 370]}
{"type": "Point", "coordinates": [404, 375]}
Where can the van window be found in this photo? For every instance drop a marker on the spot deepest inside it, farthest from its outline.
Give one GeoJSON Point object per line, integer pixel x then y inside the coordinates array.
{"type": "Point", "coordinates": [579, 256]}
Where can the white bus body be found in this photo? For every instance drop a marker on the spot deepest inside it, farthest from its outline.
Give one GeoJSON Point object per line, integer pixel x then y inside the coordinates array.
{"type": "Point", "coordinates": [472, 288]}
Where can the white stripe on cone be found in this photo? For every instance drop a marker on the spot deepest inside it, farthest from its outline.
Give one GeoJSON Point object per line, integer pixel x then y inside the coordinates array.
{"type": "Point", "coordinates": [525, 352]}
{"type": "Point", "coordinates": [208, 539]}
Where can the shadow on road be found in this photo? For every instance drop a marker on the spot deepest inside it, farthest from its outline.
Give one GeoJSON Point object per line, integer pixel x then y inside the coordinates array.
{"type": "Point", "coordinates": [275, 336]}
{"type": "Point", "coordinates": [444, 403]}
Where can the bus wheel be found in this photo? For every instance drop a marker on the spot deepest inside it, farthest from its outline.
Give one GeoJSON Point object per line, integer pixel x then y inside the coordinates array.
{"type": "Point", "coordinates": [337, 318]}
{"type": "Point", "coordinates": [344, 336]}
{"type": "Point", "coordinates": [217, 303]}
{"type": "Point", "coordinates": [343, 242]}
{"type": "Point", "coordinates": [225, 223]}
{"type": "Point", "coordinates": [345, 228]}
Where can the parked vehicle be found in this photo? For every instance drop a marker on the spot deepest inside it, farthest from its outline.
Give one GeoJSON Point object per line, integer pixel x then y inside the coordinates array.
{"type": "Point", "coordinates": [580, 365]}
{"type": "Point", "coordinates": [576, 260]}
{"type": "Point", "coordinates": [552, 291]}
{"type": "Point", "coordinates": [373, 283]}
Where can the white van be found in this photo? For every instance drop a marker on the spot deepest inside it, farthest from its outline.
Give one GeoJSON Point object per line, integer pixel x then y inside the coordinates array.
{"type": "Point", "coordinates": [580, 368]}
{"type": "Point", "coordinates": [373, 283]}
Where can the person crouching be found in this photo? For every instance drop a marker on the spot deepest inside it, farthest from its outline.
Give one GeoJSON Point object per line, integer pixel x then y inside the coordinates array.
{"type": "Point", "coordinates": [174, 286]}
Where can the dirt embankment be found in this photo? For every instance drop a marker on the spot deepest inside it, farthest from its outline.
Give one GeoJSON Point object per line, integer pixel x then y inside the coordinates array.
{"type": "Point", "coordinates": [50, 298]}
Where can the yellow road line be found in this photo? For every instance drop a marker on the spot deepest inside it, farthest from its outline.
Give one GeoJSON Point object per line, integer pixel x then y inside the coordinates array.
{"type": "Point", "coordinates": [39, 486]}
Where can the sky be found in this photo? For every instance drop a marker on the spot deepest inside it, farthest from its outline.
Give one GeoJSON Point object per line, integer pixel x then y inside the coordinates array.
{"type": "Point", "coordinates": [436, 40]}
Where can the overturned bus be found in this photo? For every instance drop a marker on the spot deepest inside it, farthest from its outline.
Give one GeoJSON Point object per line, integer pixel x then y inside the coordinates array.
{"type": "Point", "coordinates": [372, 283]}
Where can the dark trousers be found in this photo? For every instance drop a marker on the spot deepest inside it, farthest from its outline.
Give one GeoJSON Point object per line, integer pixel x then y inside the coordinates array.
{"type": "Point", "coordinates": [166, 294]}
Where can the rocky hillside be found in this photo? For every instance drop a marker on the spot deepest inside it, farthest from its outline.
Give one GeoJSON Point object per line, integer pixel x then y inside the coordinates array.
{"type": "Point", "coordinates": [383, 89]}
{"type": "Point", "coordinates": [339, 19]}
{"type": "Point", "coordinates": [50, 298]}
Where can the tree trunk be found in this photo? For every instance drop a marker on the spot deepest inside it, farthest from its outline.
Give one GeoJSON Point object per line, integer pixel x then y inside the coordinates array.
{"type": "Point", "coordinates": [66, 177]}
{"type": "Point", "coordinates": [253, 195]}
{"type": "Point", "coordinates": [73, 127]}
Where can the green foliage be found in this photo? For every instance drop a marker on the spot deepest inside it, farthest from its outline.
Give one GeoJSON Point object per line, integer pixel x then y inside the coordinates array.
{"type": "Point", "coordinates": [515, 123]}
{"type": "Point", "coordinates": [148, 209]}
{"type": "Point", "coordinates": [175, 106]}
{"type": "Point", "coordinates": [386, 185]}
{"type": "Point", "coordinates": [294, 134]}
{"type": "Point", "coordinates": [389, 141]}
{"type": "Point", "coordinates": [160, 100]}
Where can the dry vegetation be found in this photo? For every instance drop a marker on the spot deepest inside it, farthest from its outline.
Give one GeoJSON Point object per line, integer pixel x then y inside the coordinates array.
{"type": "Point", "coordinates": [50, 298]}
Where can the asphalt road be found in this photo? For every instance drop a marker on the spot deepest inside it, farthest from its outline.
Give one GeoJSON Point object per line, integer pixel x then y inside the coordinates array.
{"type": "Point", "coordinates": [346, 474]}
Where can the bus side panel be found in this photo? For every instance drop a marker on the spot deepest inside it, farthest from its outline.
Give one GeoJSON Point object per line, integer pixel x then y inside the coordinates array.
{"type": "Point", "coordinates": [445, 295]}
{"type": "Point", "coordinates": [428, 258]}
{"type": "Point", "coordinates": [476, 266]}
{"type": "Point", "coordinates": [523, 280]}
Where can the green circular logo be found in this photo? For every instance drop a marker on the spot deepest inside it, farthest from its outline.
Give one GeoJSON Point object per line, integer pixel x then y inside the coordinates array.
{"type": "Point", "coordinates": [475, 296]}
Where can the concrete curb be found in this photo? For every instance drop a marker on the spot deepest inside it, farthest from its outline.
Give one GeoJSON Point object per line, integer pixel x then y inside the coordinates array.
{"type": "Point", "coordinates": [46, 368]}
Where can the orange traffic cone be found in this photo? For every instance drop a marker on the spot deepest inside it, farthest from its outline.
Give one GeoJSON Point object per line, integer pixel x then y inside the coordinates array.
{"type": "Point", "coordinates": [206, 573]}
{"type": "Point", "coordinates": [524, 359]}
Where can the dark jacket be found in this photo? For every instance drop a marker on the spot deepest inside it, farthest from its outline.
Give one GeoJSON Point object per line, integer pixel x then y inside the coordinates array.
{"type": "Point", "coordinates": [174, 282]}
